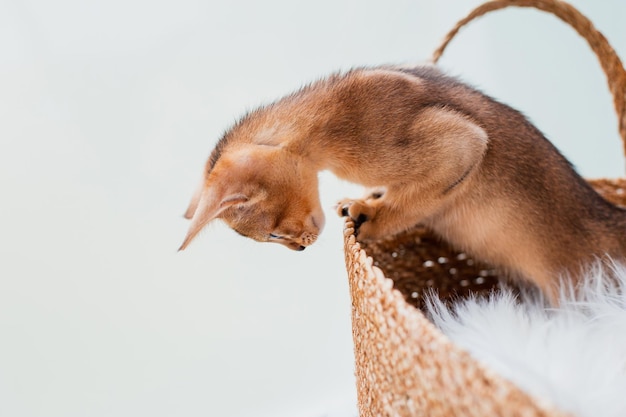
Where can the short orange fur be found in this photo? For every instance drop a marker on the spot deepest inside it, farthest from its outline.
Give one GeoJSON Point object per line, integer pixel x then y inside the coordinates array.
{"type": "Point", "coordinates": [433, 150]}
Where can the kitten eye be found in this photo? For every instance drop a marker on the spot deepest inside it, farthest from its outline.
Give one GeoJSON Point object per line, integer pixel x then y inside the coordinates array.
{"type": "Point", "coordinates": [273, 236]}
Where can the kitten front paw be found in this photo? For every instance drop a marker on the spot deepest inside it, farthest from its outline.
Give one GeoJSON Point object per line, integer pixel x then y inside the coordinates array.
{"type": "Point", "coordinates": [357, 210]}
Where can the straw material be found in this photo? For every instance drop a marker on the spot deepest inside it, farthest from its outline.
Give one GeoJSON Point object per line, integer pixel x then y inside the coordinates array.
{"type": "Point", "coordinates": [404, 365]}
{"type": "Point", "coordinates": [407, 367]}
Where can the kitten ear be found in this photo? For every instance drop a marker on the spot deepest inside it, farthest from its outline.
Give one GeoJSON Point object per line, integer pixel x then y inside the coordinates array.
{"type": "Point", "coordinates": [195, 199]}
{"type": "Point", "coordinates": [233, 199]}
{"type": "Point", "coordinates": [207, 208]}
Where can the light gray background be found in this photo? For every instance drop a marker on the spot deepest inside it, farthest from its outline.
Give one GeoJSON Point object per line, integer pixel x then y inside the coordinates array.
{"type": "Point", "coordinates": [108, 110]}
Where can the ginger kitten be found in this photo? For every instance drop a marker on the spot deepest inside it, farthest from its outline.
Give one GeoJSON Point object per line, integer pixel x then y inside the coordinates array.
{"type": "Point", "coordinates": [433, 150]}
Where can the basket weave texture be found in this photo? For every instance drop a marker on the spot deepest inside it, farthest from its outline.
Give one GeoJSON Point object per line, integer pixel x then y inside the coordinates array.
{"type": "Point", "coordinates": [404, 365]}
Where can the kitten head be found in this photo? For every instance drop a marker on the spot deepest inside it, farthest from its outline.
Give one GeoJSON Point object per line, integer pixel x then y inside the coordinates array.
{"type": "Point", "coordinates": [262, 192]}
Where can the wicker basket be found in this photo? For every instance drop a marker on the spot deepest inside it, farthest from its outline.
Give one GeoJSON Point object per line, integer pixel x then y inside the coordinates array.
{"type": "Point", "coordinates": [404, 365]}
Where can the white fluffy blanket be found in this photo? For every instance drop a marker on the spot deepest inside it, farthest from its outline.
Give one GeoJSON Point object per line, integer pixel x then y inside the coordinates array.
{"type": "Point", "coordinates": [573, 356]}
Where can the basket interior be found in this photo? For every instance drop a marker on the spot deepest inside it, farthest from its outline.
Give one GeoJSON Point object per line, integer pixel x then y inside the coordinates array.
{"type": "Point", "coordinates": [419, 262]}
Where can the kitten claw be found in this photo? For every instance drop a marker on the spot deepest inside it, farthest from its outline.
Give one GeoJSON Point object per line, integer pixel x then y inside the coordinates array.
{"type": "Point", "coordinates": [356, 210]}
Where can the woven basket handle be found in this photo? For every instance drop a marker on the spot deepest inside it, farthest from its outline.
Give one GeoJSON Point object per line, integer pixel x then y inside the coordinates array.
{"type": "Point", "coordinates": [611, 64]}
